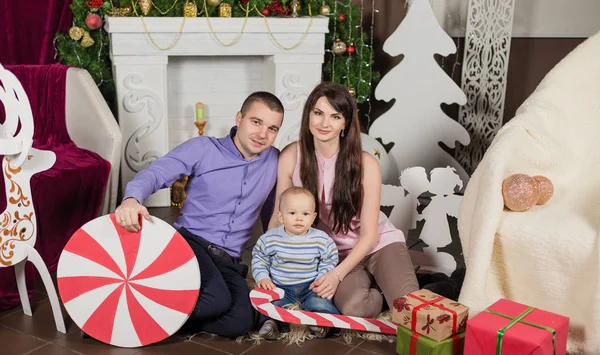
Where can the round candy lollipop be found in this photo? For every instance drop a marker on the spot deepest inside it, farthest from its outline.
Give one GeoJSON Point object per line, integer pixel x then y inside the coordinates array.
{"type": "Point", "coordinates": [128, 289]}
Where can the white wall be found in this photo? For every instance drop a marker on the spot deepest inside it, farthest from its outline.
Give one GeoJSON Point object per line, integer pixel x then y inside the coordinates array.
{"type": "Point", "coordinates": [221, 83]}
{"type": "Point", "coordinates": [532, 18]}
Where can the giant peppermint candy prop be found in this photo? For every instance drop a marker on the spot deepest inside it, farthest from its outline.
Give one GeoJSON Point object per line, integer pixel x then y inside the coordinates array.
{"type": "Point", "coordinates": [128, 289]}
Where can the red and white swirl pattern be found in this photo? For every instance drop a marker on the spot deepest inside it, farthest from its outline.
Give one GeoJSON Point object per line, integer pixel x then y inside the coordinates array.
{"type": "Point", "coordinates": [128, 289]}
{"type": "Point", "coordinates": [261, 300]}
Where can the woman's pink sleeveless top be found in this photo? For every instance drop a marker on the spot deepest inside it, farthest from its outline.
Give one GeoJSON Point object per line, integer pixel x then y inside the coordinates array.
{"type": "Point", "coordinates": [387, 233]}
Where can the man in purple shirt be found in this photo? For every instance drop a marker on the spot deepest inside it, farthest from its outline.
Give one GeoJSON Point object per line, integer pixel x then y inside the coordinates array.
{"type": "Point", "coordinates": [229, 180]}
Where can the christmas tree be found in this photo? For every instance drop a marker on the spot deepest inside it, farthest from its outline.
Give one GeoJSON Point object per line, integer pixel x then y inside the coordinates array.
{"type": "Point", "coordinates": [349, 57]}
{"type": "Point", "coordinates": [86, 44]}
{"type": "Point", "coordinates": [348, 61]}
{"type": "Point", "coordinates": [416, 123]}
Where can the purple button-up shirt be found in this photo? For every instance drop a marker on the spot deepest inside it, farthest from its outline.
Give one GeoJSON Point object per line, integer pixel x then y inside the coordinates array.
{"type": "Point", "coordinates": [225, 192]}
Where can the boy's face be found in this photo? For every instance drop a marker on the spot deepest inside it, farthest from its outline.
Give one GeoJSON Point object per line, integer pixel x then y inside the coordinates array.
{"type": "Point", "coordinates": [297, 213]}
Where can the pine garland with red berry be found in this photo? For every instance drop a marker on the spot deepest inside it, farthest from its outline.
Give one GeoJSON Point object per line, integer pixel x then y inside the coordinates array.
{"type": "Point", "coordinates": [86, 43]}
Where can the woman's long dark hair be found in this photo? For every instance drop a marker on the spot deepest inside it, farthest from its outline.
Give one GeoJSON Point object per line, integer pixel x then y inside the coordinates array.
{"type": "Point", "coordinates": [347, 188]}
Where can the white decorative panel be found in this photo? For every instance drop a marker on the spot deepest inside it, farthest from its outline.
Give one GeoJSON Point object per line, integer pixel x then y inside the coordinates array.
{"type": "Point", "coordinates": [484, 71]}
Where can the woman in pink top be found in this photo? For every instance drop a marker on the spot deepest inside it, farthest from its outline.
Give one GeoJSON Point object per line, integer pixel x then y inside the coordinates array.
{"type": "Point", "coordinates": [328, 160]}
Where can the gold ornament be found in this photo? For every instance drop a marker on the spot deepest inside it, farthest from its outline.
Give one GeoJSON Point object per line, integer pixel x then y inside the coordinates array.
{"type": "Point", "coordinates": [339, 47]}
{"type": "Point", "coordinates": [87, 40]}
{"type": "Point", "coordinates": [76, 33]}
{"type": "Point", "coordinates": [352, 91]}
{"type": "Point", "coordinates": [145, 6]}
{"type": "Point", "coordinates": [377, 153]}
{"type": "Point", "coordinates": [127, 7]}
{"type": "Point", "coordinates": [190, 9]}
{"type": "Point", "coordinates": [214, 3]}
{"type": "Point", "coordinates": [224, 10]}
{"type": "Point", "coordinates": [325, 10]}
{"type": "Point", "coordinates": [120, 11]}
{"type": "Point", "coordinates": [295, 8]}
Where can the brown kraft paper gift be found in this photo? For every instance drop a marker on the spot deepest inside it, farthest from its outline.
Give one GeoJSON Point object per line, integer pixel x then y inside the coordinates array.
{"type": "Point", "coordinates": [430, 314]}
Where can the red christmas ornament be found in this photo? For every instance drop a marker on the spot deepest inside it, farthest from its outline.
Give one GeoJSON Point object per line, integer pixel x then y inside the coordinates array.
{"type": "Point", "coordinates": [94, 4]}
{"type": "Point", "coordinates": [266, 12]}
{"type": "Point", "coordinates": [244, 1]}
{"type": "Point", "coordinates": [342, 18]}
{"type": "Point", "coordinates": [93, 21]}
{"type": "Point", "coordinates": [351, 50]}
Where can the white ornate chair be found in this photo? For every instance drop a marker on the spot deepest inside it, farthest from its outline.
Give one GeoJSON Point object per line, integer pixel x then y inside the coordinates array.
{"type": "Point", "coordinates": [92, 126]}
{"type": "Point", "coordinates": [18, 228]}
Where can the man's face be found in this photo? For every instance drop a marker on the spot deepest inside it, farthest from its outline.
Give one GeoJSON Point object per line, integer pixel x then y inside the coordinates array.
{"type": "Point", "coordinates": [257, 130]}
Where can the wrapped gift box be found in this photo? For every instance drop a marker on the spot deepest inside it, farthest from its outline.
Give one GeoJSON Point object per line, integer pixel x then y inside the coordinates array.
{"type": "Point", "coordinates": [508, 327]}
{"type": "Point", "coordinates": [412, 343]}
{"type": "Point", "coordinates": [430, 314]}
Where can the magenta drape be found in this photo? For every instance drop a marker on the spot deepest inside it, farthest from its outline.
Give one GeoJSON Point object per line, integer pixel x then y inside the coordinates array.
{"type": "Point", "coordinates": [28, 28]}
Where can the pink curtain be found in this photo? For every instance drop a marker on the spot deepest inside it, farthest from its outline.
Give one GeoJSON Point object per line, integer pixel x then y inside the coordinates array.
{"type": "Point", "coordinates": [28, 29]}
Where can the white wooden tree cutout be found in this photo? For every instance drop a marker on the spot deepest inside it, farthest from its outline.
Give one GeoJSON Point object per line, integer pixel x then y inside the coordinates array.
{"type": "Point", "coordinates": [416, 123]}
{"type": "Point", "coordinates": [18, 230]}
{"type": "Point", "coordinates": [373, 147]}
{"type": "Point", "coordinates": [436, 229]}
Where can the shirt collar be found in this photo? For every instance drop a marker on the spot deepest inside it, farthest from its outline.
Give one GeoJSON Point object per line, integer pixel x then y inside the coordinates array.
{"type": "Point", "coordinates": [282, 231]}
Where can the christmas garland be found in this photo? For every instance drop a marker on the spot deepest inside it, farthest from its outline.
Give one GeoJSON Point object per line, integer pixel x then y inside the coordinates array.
{"type": "Point", "coordinates": [348, 59]}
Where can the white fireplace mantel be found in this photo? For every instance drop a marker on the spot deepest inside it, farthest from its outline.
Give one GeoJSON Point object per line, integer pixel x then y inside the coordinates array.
{"type": "Point", "coordinates": [157, 89]}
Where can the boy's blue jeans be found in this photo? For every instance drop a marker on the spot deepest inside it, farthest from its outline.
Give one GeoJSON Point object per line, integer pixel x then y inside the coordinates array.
{"type": "Point", "coordinates": [301, 294]}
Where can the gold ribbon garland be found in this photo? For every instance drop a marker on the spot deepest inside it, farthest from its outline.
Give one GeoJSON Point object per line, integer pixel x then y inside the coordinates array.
{"type": "Point", "coordinates": [171, 8]}
{"type": "Point", "coordinates": [237, 38]}
{"type": "Point", "coordinates": [302, 38]}
{"type": "Point", "coordinates": [174, 43]}
{"type": "Point", "coordinates": [234, 41]}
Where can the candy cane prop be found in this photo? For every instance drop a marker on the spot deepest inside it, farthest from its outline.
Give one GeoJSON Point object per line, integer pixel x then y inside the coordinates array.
{"type": "Point", "coordinates": [261, 300]}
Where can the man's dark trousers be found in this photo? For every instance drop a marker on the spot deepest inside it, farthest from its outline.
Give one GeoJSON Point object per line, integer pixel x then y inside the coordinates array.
{"type": "Point", "coordinates": [223, 306]}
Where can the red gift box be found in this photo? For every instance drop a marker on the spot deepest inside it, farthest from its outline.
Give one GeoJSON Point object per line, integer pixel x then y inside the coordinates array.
{"type": "Point", "coordinates": [510, 328]}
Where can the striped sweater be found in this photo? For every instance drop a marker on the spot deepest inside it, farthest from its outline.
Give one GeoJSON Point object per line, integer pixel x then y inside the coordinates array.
{"type": "Point", "coordinates": [291, 260]}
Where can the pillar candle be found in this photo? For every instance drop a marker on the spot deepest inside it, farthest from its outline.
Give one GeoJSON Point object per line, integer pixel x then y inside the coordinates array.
{"type": "Point", "coordinates": [199, 112]}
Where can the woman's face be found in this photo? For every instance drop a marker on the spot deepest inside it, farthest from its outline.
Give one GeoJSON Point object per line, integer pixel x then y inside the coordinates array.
{"type": "Point", "coordinates": [325, 123]}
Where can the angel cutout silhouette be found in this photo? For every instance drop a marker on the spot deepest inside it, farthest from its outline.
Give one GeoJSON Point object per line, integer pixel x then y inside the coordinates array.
{"type": "Point", "coordinates": [405, 198]}
{"type": "Point", "coordinates": [436, 229]}
{"type": "Point", "coordinates": [444, 183]}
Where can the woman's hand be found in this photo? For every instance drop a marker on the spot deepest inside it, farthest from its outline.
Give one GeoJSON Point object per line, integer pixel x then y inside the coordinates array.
{"type": "Point", "coordinates": [266, 283]}
{"type": "Point", "coordinates": [326, 285]}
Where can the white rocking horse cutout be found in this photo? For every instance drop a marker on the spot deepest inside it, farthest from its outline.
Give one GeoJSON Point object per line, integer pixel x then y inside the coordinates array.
{"type": "Point", "coordinates": [18, 222]}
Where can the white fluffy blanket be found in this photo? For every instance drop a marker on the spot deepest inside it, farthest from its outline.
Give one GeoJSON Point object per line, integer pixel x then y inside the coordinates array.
{"type": "Point", "coordinates": [548, 257]}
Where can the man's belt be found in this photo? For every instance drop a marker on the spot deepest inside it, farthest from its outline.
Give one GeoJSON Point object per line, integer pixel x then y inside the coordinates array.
{"type": "Point", "coordinates": [215, 250]}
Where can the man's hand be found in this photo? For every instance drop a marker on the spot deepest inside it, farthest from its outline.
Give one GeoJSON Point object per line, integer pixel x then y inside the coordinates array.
{"type": "Point", "coordinates": [326, 285]}
{"type": "Point", "coordinates": [266, 283]}
{"type": "Point", "coordinates": [127, 214]}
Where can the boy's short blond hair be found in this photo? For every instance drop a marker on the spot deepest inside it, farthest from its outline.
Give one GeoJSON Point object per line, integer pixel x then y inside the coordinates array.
{"type": "Point", "coordinates": [295, 190]}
